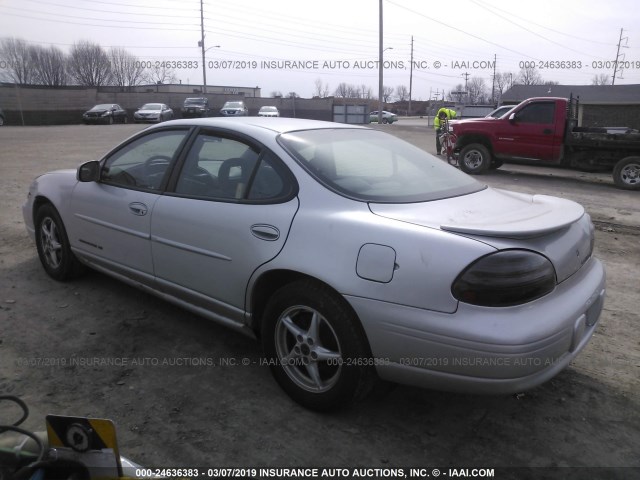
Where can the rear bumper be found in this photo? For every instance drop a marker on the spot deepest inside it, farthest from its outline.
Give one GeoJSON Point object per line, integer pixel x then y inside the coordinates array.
{"type": "Point", "coordinates": [485, 350]}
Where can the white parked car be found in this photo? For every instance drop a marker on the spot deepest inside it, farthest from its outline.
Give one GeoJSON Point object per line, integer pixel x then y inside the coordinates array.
{"type": "Point", "coordinates": [268, 111]}
{"type": "Point", "coordinates": [350, 253]}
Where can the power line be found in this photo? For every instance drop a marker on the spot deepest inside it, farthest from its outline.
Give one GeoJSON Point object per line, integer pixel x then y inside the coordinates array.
{"type": "Point", "coordinates": [547, 28]}
{"type": "Point", "coordinates": [526, 29]}
{"type": "Point", "coordinates": [119, 12]}
{"type": "Point", "coordinates": [461, 31]}
{"type": "Point", "coordinates": [99, 19]}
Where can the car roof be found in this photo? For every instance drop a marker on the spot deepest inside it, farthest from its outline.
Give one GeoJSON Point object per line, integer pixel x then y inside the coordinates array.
{"type": "Point", "coordinates": [278, 124]}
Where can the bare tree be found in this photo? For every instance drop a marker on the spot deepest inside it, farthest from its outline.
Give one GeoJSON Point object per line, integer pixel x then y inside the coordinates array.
{"type": "Point", "coordinates": [502, 82]}
{"type": "Point", "coordinates": [50, 66]}
{"type": "Point", "coordinates": [160, 74]}
{"type": "Point", "coordinates": [387, 93]}
{"type": "Point", "coordinates": [477, 90]}
{"type": "Point", "coordinates": [529, 76]}
{"type": "Point", "coordinates": [601, 79]}
{"type": "Point", "coordinates": [321, 89]}
{"type": "Point", "coordinates": [365, 92]}
{"type": "Point", "coordinates": [276, 94]}
{"type": "Point", "coordinates": [89, 64]}
{"type": "Point", "coordinates": [402, 93]}
{"type": "Point", "coordinates": [293, 95]}
{"type": "Point", "coordinates": [343, 90]}
{"type": "Point", "coordinates": [16, 53]}
{"type": "Point", "coordinates": [126, 69]}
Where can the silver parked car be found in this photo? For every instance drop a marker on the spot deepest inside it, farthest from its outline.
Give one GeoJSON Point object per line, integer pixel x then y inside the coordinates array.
{"type": "Point", "coordinates": [153, 112]}
{"type": "Point", "coordinates": [234, 109]}
{"type": "Point", "coordinates": [387, 117]}
{"type": "Point", "coordinates": [350, 253]}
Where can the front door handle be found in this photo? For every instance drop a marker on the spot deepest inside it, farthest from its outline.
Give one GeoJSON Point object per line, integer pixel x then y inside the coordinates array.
{"type": "Point", "coordinates": [138, 208]}
{"type": "Point", "coordinates": [547, 131]}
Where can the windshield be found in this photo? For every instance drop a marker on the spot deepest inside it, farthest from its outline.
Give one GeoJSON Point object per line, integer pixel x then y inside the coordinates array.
{"type": "Point", "coordinates": [104, 106]}
{"type": "Point", "coordinates": [373, 166]}
{"type": "Point", "coordinates": [192, 101]}
{"type": "Point", "coordinates": [268, 109]}
{"type": "Point", "coordinates": [500, 112]}
{"type": "Point", "coordinates": [151, 106]}
{"type": "Point", "coordinates": [233, 105]}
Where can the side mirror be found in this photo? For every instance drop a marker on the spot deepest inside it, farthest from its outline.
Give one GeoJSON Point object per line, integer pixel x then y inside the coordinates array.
{"type": "Point", "coordinates": [512, 118]}
{"type": "Point", "coordinates": [89, 172]}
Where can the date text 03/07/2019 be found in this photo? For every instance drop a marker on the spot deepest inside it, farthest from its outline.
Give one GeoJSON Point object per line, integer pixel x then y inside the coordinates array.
{"type": "Point", "coordinates": [579, 64]}
{"type": "Point", "coordinates": [304, 473]}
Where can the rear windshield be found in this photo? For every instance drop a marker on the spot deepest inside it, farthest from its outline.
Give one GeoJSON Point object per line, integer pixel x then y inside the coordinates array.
{"type": "Point", "coordinates": [374, 166]}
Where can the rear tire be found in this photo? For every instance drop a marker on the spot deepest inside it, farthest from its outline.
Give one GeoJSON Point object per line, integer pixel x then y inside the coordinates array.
{"type": "Point", "coordinates": [474, 159]}
{"type": "Point", "coordinates": [626, 173]}
{"type": "Point", "coordinates": [53, 245]}
{"type": "Point", "coordinates": [316, 348]}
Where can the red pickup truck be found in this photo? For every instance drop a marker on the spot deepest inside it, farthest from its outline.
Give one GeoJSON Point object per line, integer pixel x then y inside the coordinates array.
{"type": "Point", "coordinates": [544, 130]}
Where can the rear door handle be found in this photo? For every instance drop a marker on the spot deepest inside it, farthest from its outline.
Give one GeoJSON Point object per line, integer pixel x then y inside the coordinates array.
{"type": "Point", "coordinates": [265, 232]}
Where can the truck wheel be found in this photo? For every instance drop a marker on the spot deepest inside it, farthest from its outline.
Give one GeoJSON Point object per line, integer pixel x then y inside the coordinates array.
{"type": "Point", "coordinates": [626, 173]}
{"type": "Point", "coordinates": [495, 164]}
{"type": "Point", "coordinates": [474, 159]}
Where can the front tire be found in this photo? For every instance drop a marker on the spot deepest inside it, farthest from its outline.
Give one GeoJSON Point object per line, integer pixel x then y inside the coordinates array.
{"type": "Point", "coordinates": [626, 173]}
{"type": "Point", "coordinates": [474, 159]}
{"type": "Point", "coordinates": [53, 245]}
{"type": "Point", "coordinates": [315, 347]}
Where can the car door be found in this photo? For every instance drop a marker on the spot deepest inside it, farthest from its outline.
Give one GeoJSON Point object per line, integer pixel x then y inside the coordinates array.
{"type": "Point", "coordinates": [232, 205]}
{"type": "Point", "coordinates": [531, 134]}
{"type": "Point", "coordinates": [112, 217]}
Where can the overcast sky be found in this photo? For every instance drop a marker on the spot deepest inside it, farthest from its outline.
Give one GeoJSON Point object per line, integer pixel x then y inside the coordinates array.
{"type": "Point", "coordinates": [336, 41]}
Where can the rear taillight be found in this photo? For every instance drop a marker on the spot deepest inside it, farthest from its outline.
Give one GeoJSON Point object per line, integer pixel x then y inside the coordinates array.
{"type": "Point", "coordinates": [505, 278]}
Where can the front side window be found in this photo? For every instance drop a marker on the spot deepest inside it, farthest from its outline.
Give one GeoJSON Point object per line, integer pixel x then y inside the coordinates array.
{"type": "Point", "coordinates": [540, 113]}
{"type": "Point", "coordinates": [143, 163]}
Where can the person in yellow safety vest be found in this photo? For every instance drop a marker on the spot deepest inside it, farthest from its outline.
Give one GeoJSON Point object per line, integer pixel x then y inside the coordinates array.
{"type": "Point", "coordinates": [438, 124]}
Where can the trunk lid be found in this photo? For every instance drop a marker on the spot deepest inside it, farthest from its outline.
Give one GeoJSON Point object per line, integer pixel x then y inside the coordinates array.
{"type": "Point", "coordinates": [555, 227]}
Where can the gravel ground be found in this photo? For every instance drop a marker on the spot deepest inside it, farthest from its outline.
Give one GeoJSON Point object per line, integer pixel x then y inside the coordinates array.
{"type": "Point", "coordinates": [55, 337]}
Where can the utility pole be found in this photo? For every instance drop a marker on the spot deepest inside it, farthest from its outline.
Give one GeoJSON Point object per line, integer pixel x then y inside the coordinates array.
{"type": "Point", "coordinates": [380, 66]}
{"type": "Point", "coordinates": [204, 66]}
{"type": "Point", "coordinates": [615, 65]}
{"type": "Point", "coordinates": [466, 80]}
{"type": "Point", "coordinates": [493, 85]}
{"type": "Point", "coordinates": [411, 76]}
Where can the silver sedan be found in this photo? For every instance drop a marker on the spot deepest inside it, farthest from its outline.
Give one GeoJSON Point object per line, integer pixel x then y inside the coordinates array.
{"type": "Point", "coordinates": [353, 256]}
{"type": "Point", "coordinates": [153, 112]}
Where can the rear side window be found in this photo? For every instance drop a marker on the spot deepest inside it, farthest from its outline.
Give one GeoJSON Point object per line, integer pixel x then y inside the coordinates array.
{"type": "Point", "coordinates": [222, 168]}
